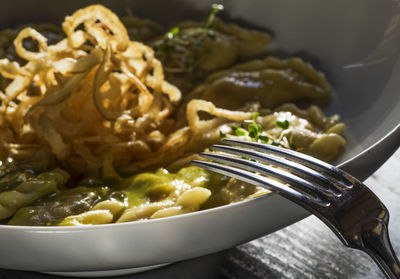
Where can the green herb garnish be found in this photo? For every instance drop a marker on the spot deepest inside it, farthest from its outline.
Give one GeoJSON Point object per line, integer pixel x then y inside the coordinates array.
{"type": "Point", "coordinates": [264, 139]}
{"type": "Point", "coordinates": [215, 9]}
{"type": "Point", "coordinates": [254, 131]}
{"type": "Point", "coordinates": [240, 132]}
{"type": "Point", "coordinates": [172, 33]}
{"type": "Point", "coordinates": [283, 124]}
{"type": "Point", "coordinates": [275, 143]}
{"type": "Point", "coordinates": [254, 128]}
{"type": "Point", "coordinates": [255, 116]}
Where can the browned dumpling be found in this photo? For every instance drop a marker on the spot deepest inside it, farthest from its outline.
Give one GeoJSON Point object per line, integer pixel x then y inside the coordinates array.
{"type": "Point", "coordinates": [271, 82]}
{"type": "Point", "coordinates": [193, 50]}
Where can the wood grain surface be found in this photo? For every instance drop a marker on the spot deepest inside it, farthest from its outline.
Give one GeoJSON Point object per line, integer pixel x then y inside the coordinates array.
{"type": "Point", "coordinates": [307, 249]}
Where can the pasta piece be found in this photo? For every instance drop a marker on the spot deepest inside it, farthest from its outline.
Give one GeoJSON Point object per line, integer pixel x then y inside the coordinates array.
{"type": "Point", "coordinates": [327, 147]}
{"type": "Point", "coordinates": [192, 199]}
{"type": "Point", "coordinates": [115, 207]}
{"type": "Point", "coordinates": [186, 190]}
{"type": "Point", "coordinates": [143, 211]}
{"type": "Point", "coordinates": [95, 217]}
{"type": "Point", "coordinates": [308, 131]}
{"type": "Point", "coordinates": [189, 201]}
{"type": "Point", "coordinates": [104, 212]}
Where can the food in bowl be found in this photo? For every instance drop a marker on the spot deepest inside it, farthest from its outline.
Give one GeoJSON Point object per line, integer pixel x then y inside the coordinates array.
{"type": "Point", "coordinates": [97, 127]}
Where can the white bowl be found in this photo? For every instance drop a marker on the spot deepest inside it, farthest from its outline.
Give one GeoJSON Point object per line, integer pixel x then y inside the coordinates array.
{"type": "Point", "coordinates": [355, 42]}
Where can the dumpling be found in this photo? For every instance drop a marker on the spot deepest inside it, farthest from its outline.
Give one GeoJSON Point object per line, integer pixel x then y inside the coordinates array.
{"type": "Point", "coordinates": [271, 82]}
{"type": "Point", "coordinates": [194, 50]}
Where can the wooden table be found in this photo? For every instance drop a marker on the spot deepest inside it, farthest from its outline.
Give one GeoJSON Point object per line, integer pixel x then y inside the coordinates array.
{"type": "Point", "coordinates": [307, 249]}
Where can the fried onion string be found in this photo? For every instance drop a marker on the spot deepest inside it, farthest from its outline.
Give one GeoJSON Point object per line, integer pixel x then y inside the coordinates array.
{"type": "Point", "coordinates": [95, 96]}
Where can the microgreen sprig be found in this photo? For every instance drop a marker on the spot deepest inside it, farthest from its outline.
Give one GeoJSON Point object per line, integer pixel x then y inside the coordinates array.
{"type": "Point", "coordinates": [215, 9]}
{"type": "Point", "coordinates": [283, 124]}
{"type": "Point", "coordinates": [255, 132]}
{"type": "Point", "coordinates": [172, 33]}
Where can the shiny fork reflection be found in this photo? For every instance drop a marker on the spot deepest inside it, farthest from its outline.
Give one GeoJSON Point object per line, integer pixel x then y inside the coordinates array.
{"type": "Point", "coordinates": [348, 207]}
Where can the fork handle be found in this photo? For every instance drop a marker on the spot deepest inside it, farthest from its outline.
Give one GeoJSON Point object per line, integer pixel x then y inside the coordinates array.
{"type": "Point", "coordinates": [376, 243]}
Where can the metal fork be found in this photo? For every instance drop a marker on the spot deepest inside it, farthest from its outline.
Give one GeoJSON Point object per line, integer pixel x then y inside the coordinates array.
{"type": "Point", "coordinates": [351, 210]}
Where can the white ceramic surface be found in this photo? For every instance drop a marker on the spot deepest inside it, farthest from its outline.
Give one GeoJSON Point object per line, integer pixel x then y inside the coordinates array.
{"type": "Point", "coordinates": [106, 273]}
{"type": "Point", "coordinates": [355, 42]}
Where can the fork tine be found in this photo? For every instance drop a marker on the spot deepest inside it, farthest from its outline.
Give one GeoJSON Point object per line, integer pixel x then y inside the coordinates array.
{"type": "Point", "coordinates": [301, 159]}
{"type": "Point", "coordinates": [307, 160]}
{"type": "Point", "coordinates": [296, 182]}
{"type": "Point", "coordinates": [296, 168]}
{"type": "Point", "coordinates": [261, 181]}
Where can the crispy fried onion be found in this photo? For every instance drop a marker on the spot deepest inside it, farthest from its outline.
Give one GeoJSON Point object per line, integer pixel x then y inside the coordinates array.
{"type": "Point", "coordinates": [201, 126]}
{"type": "Point", "coordinates": [92, 96]}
